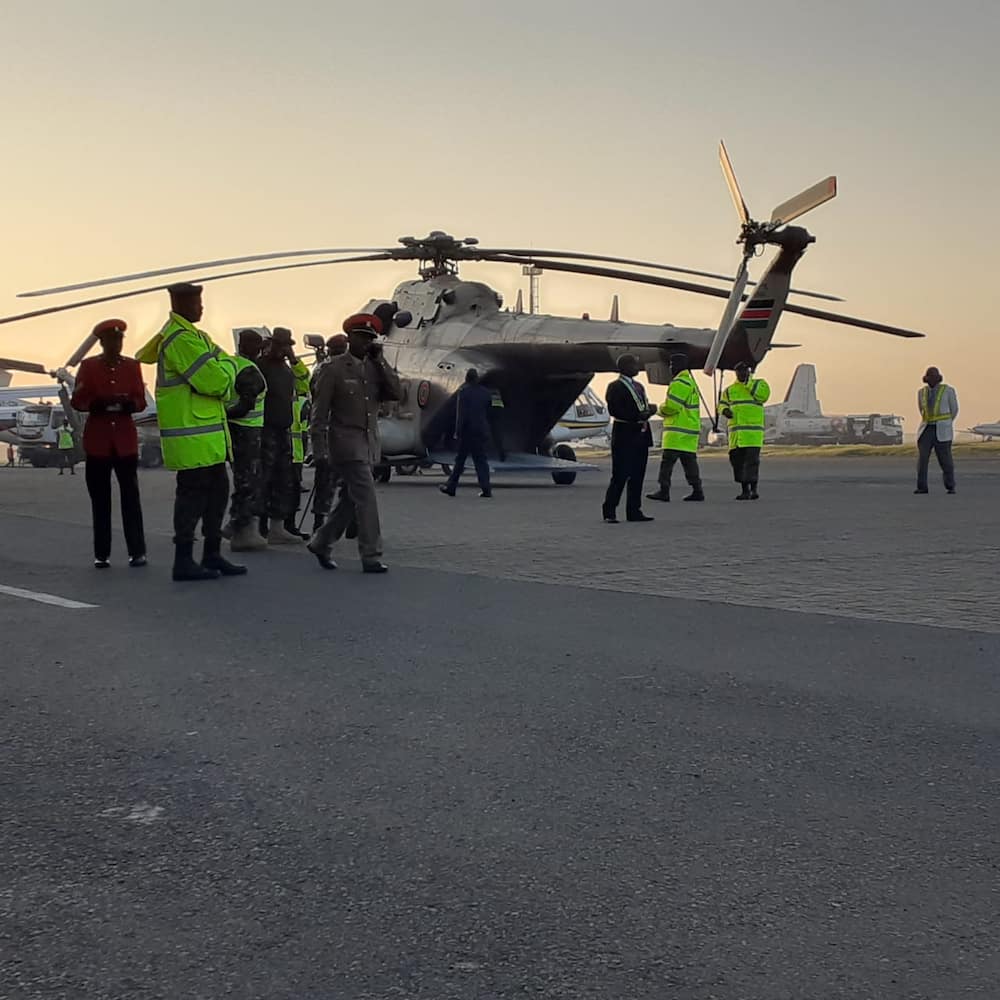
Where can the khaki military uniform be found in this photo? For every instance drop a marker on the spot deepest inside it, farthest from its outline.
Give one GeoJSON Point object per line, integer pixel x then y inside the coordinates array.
{"type": "Point", "coordinates": [344, 430]}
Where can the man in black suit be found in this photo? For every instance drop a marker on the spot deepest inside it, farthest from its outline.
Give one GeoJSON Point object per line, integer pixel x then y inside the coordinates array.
{"type": "Point", "coordinates": [630, 441]}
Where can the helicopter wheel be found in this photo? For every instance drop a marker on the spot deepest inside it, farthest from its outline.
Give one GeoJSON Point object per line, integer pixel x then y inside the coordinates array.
{"type": "Point", "coordinates": [408, 469]}
{"type": "Point", "coordinates": [566, 453]}
{"type": "Point", "coordinates": [382, 473]}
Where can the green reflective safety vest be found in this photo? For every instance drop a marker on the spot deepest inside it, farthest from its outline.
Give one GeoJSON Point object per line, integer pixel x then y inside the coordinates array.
{"type": "Point", "coordinates": [65, 440]}
{"type": "Point", "coordinates": [746, 400]}
{"type": "Point", "coordinates": [298, 428]}
{"type": "Point", "coordinates": [194, 378]}
{"type": "Point", "coordinates": [680, 412]}
{"type": "Point", "coordinates": [255, 418]}
{"type": "Point", "coordinates": [931, 415]}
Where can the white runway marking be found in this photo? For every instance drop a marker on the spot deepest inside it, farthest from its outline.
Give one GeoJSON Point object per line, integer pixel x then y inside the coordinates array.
{"type": "Point", "coordinates": [34, 595]}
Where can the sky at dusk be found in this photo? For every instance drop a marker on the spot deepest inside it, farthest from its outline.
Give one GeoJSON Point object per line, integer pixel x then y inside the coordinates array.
{"type": "Point", "coordinates": [141, 134]}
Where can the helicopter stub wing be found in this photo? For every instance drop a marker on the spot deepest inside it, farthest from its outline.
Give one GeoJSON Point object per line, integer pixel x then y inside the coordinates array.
{"type": "Point", "coordinates": [519, 462]}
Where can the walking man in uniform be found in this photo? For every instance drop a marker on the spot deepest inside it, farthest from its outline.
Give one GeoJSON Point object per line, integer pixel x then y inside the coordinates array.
{"type": "Point", "coordinates": [938, 405]}
{"type": "Point", "coordinates": [245, 413]}
{"type": "Point", "coordinates": [631, 440]}
{"type": "Point", "coordinates": [472, 428]}
{"type": "Point", "coordinates": [193, 383]}
{"type": "Point", "coordinates": [344, 431]}
{"type": "Point", "coordinates": [743, 406]}
{"type": "Point", "coordinates": [681, 430]}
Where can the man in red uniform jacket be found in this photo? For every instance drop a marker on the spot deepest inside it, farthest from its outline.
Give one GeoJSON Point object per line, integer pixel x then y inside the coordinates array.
{"type": "Point", "coordinates": [110, 389]}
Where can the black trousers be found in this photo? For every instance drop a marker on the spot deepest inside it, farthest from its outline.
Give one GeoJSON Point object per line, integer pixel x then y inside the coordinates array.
{"type": "Point", "coordinates": [628, 470]}
{"type": "Point", "coordinates": [276, 473]}
{"type": "Point", "coordinates": [926, 443]}
{"type": "Point", "coordinates": [98, 472]}
{"type": "Point", "coordinates": [476, 447]}
{"type": "Point", "coordinates": [202, 495]}
{"type": "Point", "coordinates": [689, 462]}
{"type": "Point", "coordinates": [246, 474]}
{"type": "Point", "coordinates": [746, 464]}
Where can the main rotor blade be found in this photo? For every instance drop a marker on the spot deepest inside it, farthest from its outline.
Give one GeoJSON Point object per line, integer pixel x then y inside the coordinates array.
{"type": "Point", "coordinates": [805, 201]}
{"type": "Point", "coordinates": [12, 365]}
{"type": "Point", "coordinates": [225, 262]}
{"type": "Point", "coordinates": [567, 255]}
{"type": "Point", "coordinates": [719, 293]}
{"type": "Point", "coordinates": [734, 185]}
{"type": "Point", "coordinates": [82, 351]}
{"type": "Point", "coordinates": [199, 281]}
{"type": "Point", "coordinates": [728, 315]}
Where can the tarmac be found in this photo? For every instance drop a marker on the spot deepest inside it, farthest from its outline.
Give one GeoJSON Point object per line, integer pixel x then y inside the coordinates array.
{"type": "Point", "coordinates": [749, 750]}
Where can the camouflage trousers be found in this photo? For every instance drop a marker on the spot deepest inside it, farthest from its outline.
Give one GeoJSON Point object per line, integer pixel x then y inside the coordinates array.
{"type": "Point", "coordinates": [246, 474]}
{"type": "Point", "coordinates": [276, 500]}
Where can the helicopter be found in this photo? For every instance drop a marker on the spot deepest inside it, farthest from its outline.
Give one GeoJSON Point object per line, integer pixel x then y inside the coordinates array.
{"type": "Point", "coordinates": [439, 325]}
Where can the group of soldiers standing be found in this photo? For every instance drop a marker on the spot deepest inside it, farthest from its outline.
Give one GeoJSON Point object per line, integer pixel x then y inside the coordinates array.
{"type": "Point", "coordinates": [252, 409]}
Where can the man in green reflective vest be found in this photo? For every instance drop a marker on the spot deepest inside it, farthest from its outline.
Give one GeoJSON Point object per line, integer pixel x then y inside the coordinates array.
{"type": "Point", "coordinates": [67, 447]}
{"type": "Point", "coordinates": [193, 384]}
{"type": "Point", "coordinates": [245, 412]}
{"type": "Point", "coordinates": [681, 430]}
{"type": "Point", "coordinates": [938, 405]}
{"type": "Point", "coordinates": [742, 404]}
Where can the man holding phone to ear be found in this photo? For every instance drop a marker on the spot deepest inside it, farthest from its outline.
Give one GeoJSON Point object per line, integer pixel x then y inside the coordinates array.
{"type": "Point", "coordinates": [344, 432]}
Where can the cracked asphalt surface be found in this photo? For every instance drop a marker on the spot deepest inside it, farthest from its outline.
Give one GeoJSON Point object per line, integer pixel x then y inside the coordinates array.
{"type": "Point", "coordinates": [472, 780]}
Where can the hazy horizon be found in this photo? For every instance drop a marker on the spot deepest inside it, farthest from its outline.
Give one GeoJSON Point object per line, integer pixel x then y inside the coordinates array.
{"type": "Point", "coordinates": [140, 138]}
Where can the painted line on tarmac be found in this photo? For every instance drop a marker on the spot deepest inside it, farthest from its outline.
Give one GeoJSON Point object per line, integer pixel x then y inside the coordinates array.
{"type": "Point", "coordinates": [34, 595]}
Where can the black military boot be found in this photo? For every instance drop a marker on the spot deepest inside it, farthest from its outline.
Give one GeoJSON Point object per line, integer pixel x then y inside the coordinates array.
{"type": "Point", "coordinates": [754, 495]}
{"type": "Point", "coordinates": [745, 495]}
{"type": "Point", "coordinates": [185, 568]}
{"type": "Point", "coordinates": [213, 560]}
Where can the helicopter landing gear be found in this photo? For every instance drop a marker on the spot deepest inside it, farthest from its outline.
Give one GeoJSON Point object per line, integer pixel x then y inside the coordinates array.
{"type": "Point", "coordinates": [566, 453]}
{"type": "Point", "coordinates": [408, 468]}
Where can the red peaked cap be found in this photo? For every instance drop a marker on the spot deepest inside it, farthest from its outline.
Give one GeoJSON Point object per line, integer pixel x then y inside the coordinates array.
{"type": "Point", "coordinates": [109, 326]}
{"type": "Point", "coordinates": [365, 322]}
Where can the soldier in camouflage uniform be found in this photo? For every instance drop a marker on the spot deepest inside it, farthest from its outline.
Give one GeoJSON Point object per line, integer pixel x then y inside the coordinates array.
{"type": "Point", "coordinates": [286, 376]}
{"type": "Point", "coordinates": [245, 417]}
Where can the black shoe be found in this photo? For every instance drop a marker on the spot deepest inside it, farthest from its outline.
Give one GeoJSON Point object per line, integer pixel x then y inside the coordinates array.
{"type": "Point", "coordinates": [446, 490]}
{"type": "Point", "coordinates": [102, 564]}
{"type": "Point", "coordinates": [137, 562]}
{"type": "Point", "coordinates": [694, 498]}
{"type": "Point", "coordinates": [222, 566]}
{"type": "Point", "coordinates": [743, 496]}
{"type": "Point", "coordinates": [755, 495]}
{"type": "Point", "coordinates": [186, 569]}
{"type": "Point", "coordinates": [374, 567]}
{"type": "Point", "coordinates": [639, 517]}
{"type": "Point", "coordinates": [918, 490]}
{"type": "Point", "coordinates": [659, 495]}
{"type": "Point", "coordinates": [486, 495]}
{"type": "Point", "coordinates": [610, 519]}
{"type": "Point", "coordinates": [322, 558]}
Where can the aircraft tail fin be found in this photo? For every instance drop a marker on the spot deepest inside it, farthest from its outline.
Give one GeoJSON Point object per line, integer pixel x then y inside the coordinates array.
{"type": "Point", "coordinates": [801, 394]}
{"type": "Point", "coordinates": [757, 320]}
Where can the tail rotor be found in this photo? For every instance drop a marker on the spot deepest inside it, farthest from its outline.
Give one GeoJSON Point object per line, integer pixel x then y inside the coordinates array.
{"type": "Point", "coordinates": [754, 235]}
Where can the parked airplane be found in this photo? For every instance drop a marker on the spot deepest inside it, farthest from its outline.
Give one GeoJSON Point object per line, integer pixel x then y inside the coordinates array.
{"type": "Point", "coordinates": [799, 419]}
{"type": "Point", "coordinates": [986, 431]}
{"type": "Point", "coordinates": [586, 418]}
